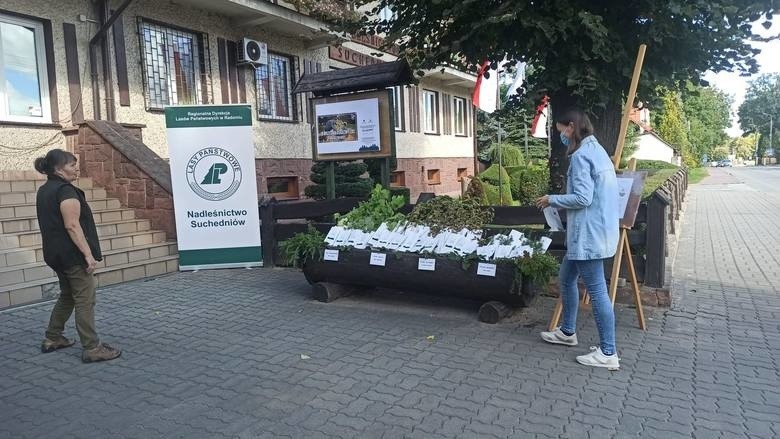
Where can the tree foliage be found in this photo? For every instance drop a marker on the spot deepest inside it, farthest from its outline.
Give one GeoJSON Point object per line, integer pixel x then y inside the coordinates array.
{"type": "Point", "coordinates": [584, 51]}
{"type": "Point", "coordinates": [672, 127]}
{"type": "Point", "coordinates": [708, 111]}
{"type": "Point", "coordinates": [761, 105]}
{"type": "Point", "coordinates": [744, 147]}
{"type": "Point", "coordinates": [584, 47]}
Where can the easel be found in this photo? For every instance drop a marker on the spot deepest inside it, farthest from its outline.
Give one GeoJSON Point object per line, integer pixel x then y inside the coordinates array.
{"type": "Point", "coordinates": [623, 248]}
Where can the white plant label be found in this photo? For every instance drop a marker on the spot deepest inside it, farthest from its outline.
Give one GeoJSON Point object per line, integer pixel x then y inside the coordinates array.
{"type": "Point", "coordinates": [425, 264]}
{"type": "Point", "coordinates": [331, 255]}
{"type": "Point", "coordinates": [484, 269]}
{"type": "Point", "coordinates": [378, 259]}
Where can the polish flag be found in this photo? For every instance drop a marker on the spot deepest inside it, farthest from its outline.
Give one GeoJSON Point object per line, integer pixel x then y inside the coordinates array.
{"type": "Point", "coordinates": [517, 84]}
{"type": "Point", "coordinates": [539, 125]}
{"type": "Point", "coordinates": [486, 90]}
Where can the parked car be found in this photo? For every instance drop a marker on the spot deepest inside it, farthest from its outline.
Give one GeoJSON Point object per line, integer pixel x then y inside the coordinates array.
{"type": "Point", "coordinates": [724, 164]}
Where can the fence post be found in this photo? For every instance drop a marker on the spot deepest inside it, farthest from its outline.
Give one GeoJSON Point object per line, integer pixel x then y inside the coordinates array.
{"type": "Point", "coordinates": [267, 232]}
{"type": "Point", "coordinates": [655, 264]}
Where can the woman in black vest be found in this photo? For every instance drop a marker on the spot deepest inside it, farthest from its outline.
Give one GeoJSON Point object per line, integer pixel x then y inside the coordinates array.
{"type": "Point", "coordinates": [71, 248]}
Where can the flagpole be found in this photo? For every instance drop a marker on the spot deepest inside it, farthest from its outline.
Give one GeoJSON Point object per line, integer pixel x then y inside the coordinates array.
{"type": "Point", "coordinates": [498, 108]}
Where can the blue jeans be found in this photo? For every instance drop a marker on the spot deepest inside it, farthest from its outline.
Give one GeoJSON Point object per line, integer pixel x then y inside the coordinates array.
{"type": "Point", "coordinates": [592, 272]}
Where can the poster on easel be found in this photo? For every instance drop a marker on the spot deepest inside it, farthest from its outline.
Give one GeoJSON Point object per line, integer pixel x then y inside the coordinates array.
{"type": "Point", "coordinates": [630, 187]}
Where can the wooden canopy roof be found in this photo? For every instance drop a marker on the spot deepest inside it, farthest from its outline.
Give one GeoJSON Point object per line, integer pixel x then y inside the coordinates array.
{"type": "Point", "coordinates": [370, 77]}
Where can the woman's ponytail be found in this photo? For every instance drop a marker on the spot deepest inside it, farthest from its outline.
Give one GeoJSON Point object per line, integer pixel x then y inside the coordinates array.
{"type": "Point", "coordinates": [54, 160]}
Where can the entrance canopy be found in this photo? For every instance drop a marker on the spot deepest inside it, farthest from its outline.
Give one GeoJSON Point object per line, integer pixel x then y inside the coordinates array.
{"type": "Point", "coordinates": [370, 77]}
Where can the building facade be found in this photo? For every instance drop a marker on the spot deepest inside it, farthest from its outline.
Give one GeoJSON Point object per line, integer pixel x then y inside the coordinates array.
{"type": "Point", "coordinates": [185, 52]}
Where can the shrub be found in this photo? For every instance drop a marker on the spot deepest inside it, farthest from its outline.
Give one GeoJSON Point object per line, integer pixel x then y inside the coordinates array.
{"type": "Point", "coordinates": [476, 192]}
{"type": "Point", "coordinates": [490, 185]}
{"type": "Point", "coordinates": [647, 165]}
{"type": "Point", "coordinates": [529, 182]}
{"type": "Point", "coordinates": [349, 180]}
{"type": "Point", "coordinates": [401, 191]}
{"type": "Point", "coordinates": [511, 155]}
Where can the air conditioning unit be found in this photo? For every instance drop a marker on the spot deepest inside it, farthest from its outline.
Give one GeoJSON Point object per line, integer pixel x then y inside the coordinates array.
{"type": "Point", "coordinates": [252, 52]}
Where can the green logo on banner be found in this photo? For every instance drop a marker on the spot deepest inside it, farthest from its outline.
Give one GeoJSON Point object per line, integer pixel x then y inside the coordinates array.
{"type": "Point", "coordinates": [214, 174]}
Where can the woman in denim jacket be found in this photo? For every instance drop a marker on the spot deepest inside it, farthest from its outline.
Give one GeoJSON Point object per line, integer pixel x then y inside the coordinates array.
{"type": "Point", "coordinates": [591, 203]}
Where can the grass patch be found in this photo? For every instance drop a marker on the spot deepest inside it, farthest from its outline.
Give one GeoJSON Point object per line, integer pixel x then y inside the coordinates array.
{"type": "Point", "coordinates": [655, 181]}
{"type": "Point", "coordinates": [696, 175]}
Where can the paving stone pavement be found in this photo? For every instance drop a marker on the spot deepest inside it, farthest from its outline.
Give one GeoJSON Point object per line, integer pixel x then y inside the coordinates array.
{"type": "Point", "coordinates": [246, 354]}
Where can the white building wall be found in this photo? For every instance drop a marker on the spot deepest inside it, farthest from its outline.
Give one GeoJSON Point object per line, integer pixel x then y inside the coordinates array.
{"type": "Point", "coordinates": [651, 148]}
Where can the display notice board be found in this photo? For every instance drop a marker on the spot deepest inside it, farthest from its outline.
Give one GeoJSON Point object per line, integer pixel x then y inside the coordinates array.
{"type": "Point", "coordinates": [351, 127]}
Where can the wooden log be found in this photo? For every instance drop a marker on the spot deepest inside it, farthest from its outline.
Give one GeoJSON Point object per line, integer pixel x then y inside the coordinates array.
{"type": "Point", "coordinates": [449, 279]}
{"type": "Point", "coordinates": [328, 292]}
{"type": "Point", "coordinates": [492, 312]}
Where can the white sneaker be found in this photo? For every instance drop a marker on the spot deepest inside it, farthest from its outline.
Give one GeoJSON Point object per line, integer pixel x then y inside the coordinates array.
{"type": "Point", "coordinates": [596, 358]}
{"type": "Point", "coordinates": [558, 337]}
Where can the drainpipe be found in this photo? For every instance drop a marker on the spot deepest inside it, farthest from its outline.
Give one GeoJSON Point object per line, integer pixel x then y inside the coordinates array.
{"type": "Point", "coordinates": [101, 36]}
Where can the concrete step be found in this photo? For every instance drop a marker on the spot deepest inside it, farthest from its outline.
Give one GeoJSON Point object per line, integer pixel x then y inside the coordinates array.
{"type": "Point", "coordinates": [47, 288]}
{"type": "Point", "coordinates": [18, 198]}
{"type": "Point", "coordinates": [39, 270]}
{"type": "Point", "coordinates": [28, 210]}
{"type": "Point", "coordinates": [26, 255]}
{"type": "Point", "coordinates": [33, 237]}
{"type": "Point", "coordinates": [25, 174]}
{"type": "Point", "coordinates": [14, 225]}
{"type": "Point", "coordinates": [30, 255]}
{"type": "Point", "coordinates": [31, 185]}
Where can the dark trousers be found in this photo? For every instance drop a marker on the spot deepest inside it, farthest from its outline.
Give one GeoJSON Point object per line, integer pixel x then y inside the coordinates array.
{"type": "Point", "coordinates": [77, 292]}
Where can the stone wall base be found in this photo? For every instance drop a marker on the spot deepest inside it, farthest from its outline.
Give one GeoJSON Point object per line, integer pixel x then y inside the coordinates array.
{"type": "Point", "coordinates": [412, 173]}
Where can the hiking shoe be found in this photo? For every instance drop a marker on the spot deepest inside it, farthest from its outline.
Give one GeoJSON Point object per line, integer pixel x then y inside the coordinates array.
{"type": "Point", "coordinates": [596, 358]}
{"type": "Point", "coordinates": [103, 352]}
{"type": "Point", "coordinates": [49, 345]}
{"type": "Point", "coordinates": [558, 337]}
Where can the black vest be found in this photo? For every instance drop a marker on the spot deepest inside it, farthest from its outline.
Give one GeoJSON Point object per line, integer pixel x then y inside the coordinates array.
{"type": "Point", "coordinates": [59, 251]}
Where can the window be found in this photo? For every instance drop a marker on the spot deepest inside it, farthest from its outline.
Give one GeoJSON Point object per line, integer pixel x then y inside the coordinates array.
{"type": "Point", "coordinates": [283, 188]}
{"type": "Point", "coordinates": [459, 112]}
{"type": "Point", "coordinates": [462, 173]}
{"type": "Point", "coordinates": [433, 176]}
{"type": "Point", "coordinates": [173, 65]}
{"type": "Point", "coordinates": [24, 88]}
{"type": "Point", "coordinates": [274, 86]}
{"type": "Point", "coordinates": [398, 178]}
{"type": "Point", "coordinates": [398, 107]}
{"type": "Point", "coordinates": [430, 112]}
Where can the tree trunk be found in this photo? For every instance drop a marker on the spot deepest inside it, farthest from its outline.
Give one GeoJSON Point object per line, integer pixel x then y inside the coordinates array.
{"type": "Point", "coordinates": [606, 126]}
{"type": "Point", "coordinates": [560, 101]}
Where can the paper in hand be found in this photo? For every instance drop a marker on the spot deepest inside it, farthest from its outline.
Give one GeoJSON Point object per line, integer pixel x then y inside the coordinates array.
{"type": "Point", "coordinates": [553, 218]}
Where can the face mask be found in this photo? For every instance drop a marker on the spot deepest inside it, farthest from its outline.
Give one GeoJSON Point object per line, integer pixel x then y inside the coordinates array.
{"type": "Point", "coordinates": [565, 140]}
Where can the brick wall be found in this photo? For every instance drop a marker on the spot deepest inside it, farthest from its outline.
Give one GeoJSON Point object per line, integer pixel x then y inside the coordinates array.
{"type": "Point", "coordinates": [122, 178]}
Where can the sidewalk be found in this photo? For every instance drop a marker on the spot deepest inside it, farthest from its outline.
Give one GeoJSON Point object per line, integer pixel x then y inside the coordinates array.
{"type": "Point", "coordinates": [247, 354]}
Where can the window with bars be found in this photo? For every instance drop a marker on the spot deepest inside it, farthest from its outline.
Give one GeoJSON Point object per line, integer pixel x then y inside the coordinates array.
{"type": "Point", "coordinates": [24, 90]}
{"type": "Point", "coordinates": [459, 113]}
{"type": "Point", "coordinates": [173, 65]}
{"type": "Point", "coordinates": [398, 107]}
{"type": "Point", "coordinates": [274, 89]}
{"type": "Point", "coordinates": [430, 112]}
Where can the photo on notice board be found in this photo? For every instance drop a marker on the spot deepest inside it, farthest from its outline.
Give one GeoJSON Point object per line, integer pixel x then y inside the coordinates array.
{"type": "Point", "coordinates": [348, 127]}
{"type": "Point", "coordinates": [337, 128]}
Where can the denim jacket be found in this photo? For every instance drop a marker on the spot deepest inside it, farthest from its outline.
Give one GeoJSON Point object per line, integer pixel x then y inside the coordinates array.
{"type": "Point", "coordinates": [591, 203]}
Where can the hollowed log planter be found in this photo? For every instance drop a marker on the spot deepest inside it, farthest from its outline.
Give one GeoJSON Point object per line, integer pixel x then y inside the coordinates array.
{"type": "Point", "coordinates": [507, 289]}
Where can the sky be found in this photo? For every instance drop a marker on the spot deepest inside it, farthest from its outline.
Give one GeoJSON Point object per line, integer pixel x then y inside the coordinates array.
{"type": "Point", "coordinates": [735, 85]}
